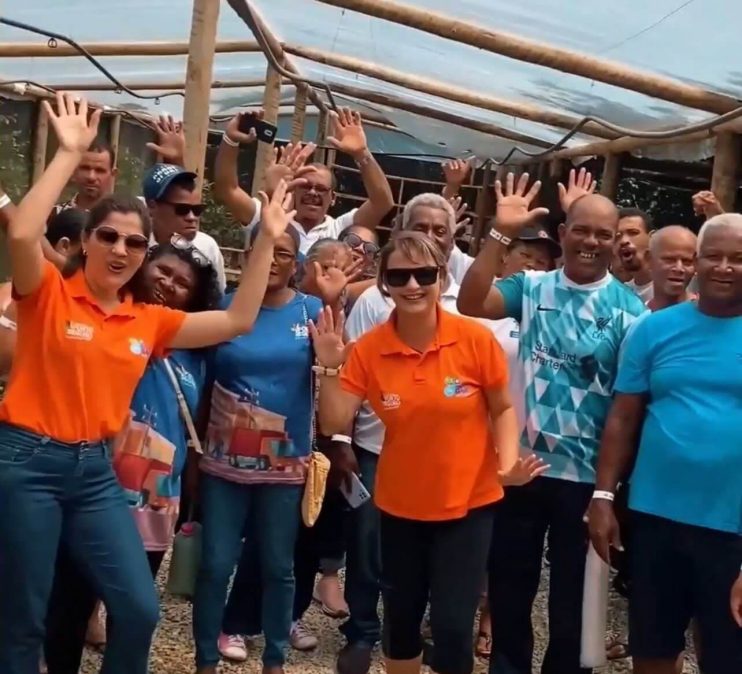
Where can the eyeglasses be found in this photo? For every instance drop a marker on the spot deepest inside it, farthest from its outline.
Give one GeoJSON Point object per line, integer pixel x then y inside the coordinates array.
{"type": "Point", "coordinates": [181, 243]}
{"type": "Point", "coordinates": [319, 189]}
{"type": "Point", "coordinates": [369, 248]}
{"type": "Point", "coordinates": [108, 236]}
{"type": "Point", "coordinates": [398, 278]}
{"type": "Point", "coordinates": [184, 209]}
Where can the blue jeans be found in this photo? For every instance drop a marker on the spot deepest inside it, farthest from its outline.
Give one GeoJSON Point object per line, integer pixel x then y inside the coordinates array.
{"type": "Point", "coordinates": [268, 516]}
{"type": "Point", "coordinates": [51, 493]}
{"type": "Point", "coordinates": [363, 565]}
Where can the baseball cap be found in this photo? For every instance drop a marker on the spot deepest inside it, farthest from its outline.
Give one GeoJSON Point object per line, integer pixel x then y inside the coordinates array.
{"type": "Point", "coordinates": [157, 180]}
{"type": "Point", "coordinates": [537, 233]}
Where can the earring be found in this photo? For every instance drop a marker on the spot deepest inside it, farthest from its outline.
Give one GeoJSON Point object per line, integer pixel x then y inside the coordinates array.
{"type": "Point", "coordinates": [84, 252]}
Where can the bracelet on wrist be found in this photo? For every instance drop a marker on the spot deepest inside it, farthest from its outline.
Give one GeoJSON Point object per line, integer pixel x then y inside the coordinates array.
{"type": "Point", "coordinates": [603, 495]}
{"type": "Point", "coordinates": [228, 141]}
{"type": "Point", "coordinates": [364, 159]}
{"type": "Point", "coordinates": [326, 371]}
{"type": "Point", "coordinates": [339, 437]}
{"type": "Point", "coordinates": [499, 236]}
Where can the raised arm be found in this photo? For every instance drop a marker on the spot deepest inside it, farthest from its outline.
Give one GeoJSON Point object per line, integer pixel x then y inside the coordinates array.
{"type": "Point", "coordinates": [478, 297]}
{"type": "Point", "coordinates": [27, 226]}
{"type": "Point", "coordinates": [171, 141]}
{"type": "Point", "coordinates": [456, 171]}
{"type": "Point", "coordinates": [212, 327]}
{"type": "Point", "coordinates": [348, 137]}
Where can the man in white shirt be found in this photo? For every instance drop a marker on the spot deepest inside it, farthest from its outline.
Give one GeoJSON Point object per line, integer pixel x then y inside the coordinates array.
{"type": "Point", "coordinates": [632, 247]}
{"type": "Point", "coordinates": [175, 208]}
{"type": "Point", "coordinates": [316, 194]}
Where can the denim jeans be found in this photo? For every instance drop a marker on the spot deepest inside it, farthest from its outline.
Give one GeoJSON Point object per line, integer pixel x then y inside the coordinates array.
{"type": "Point", "coordinates": [267, 515]}
{"type": "Point", "coordinates": [363, 562]}
{"type": "Point", "coordinates": [54, 493]}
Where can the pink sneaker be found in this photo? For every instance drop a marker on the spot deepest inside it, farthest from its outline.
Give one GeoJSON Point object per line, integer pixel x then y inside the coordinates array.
{"type": "Point", "coordinates": [232, 647]}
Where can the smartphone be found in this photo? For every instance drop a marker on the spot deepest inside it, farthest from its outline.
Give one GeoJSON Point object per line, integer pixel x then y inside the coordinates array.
{"type": "Point", "coordinates": [265, 131]}
{"type": "Point", "coordinates": [357, 495]}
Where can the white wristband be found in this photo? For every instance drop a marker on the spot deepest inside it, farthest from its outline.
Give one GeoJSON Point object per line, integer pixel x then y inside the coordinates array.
{"type": "Point", "coordinates": [499, 236]}
{"type": "Point", "coordinates": [4, 201]}
{"type": "Point", "coordinates": [339, 437]}
{"type": "Point", "coordinates": [228, 141]}
{"type": "Point", "coordinates": [603, 495]}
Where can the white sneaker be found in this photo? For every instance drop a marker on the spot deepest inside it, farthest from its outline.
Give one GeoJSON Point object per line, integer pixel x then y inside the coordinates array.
{"type": "Point", "coordinates": [302, 639]}
{"type": "Point", "coordinates": [232, 647]}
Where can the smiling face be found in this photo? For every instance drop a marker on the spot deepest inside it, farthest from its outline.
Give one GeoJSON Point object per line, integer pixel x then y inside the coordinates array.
{"type": "Point", "coordinates": [587, 238]}
{"type": "Point", "coordinates": [413, 283]}
{"type": "Point", "coordinates": [672, 260]}
{"type": "Point", "coordinates": [632, 243]}
{"type": "Point", "coordinates": [435, 224]}
{"type": "Point", "coordinates": [314, 198]}
{"type": "Point", "coordinates": [527, 256]}
{"type": "Point", "coordinates": [719, 266]}
{"type": "Point", "coordinates": [170, 281]}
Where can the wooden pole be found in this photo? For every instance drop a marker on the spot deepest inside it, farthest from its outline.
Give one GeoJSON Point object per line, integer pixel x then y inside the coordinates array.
{"type": "Point", "coordinates": [425, 111]}
{"type": "Point", "coordinates": [43, 50]}
{"type": "Point", "coordinates": [532, 51]}
{"type": "Point", "coordinates": [450, 92]}
{"type": "Point", "coordinates": [198, 85]}
{"type": "Point", "coordinates": [300, 114]}
{"type": "Point", "coordinates": [114, 136]}
{"type": "Point", "coordinates": [483, 209]}
{"type": "Point", "coordinates": [321, 136]}
{"type": "Point", "coordinates": [152, 86]}
{"type": "Point", "coordinates": [41, 137]}
{"type": "Point", "coordinates": [271, 101]}
{"type": "Point", "coordinates": [611, 176]}
{"type": "Point", "coordinates": [726, 170]}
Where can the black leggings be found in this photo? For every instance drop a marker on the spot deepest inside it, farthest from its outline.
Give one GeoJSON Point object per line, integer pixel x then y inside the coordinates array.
{"type": "Point", "coordinates": [71, 604]}
{"type": "Point", "coordinates": [440, 562]}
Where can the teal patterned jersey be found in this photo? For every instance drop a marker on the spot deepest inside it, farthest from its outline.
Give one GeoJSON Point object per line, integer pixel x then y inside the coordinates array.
{"type": "Point", "coordinates": [570, 338]}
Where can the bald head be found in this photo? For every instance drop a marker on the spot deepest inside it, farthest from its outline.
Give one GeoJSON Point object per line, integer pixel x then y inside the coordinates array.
{"type": "Point", "coordinates": [672, 262]}
{"type": "Point", "coordinates": [672, 234]}
{"type": "Point", "coordinates": [592, 206]}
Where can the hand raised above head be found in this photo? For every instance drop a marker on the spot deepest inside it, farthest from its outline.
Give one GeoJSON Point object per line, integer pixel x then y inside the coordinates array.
{"type": "Point", "coordinates": [75, 130]}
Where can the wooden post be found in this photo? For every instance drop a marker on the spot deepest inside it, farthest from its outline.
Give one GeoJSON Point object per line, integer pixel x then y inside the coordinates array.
{"type": "Point", "coordinates": [726, 170]}
{"type": "Point", "coordinates": [198, 85]}
{"type": "Point", "coordinates": [611, 176]}
{"type": "Point", "coordinates": [271, 102]}
{"type": "Point", "coordinates": [321, 138]}
{"type": "Point", "coordinates": [114, 136]}
{"type": "Point", "coordinates": [41, 136]}
{"type": "Point", "coordinates": [483, 209]}
{"type": "Point", "coordinates": [300, 115]}
{"type": "Point", "coordinates": [42, 49]}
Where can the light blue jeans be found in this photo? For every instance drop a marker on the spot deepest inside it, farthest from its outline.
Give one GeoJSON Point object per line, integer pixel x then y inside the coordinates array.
{"type": "Point", "coordinates": [267, 515]}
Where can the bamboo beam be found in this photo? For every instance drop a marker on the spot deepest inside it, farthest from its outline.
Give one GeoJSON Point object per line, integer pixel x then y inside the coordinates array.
{"type": "Point", "coordinates": [43, 50]}
{"type": "Point", "coordinates": [450, 92]}
{"type": "Point", "coordinates": [726, 170]}
{"type": "Point", "coordinates": [434, 113]}
{"type": "Point", "coordinates": [321, 139]}
{"type": "Point", "coordinates": [153, 86]}
{"type": "Point", "coordinates": [482, 208]}
{"type": "Point", "coordinates": [198, 84]}
{"type": "Point", "coordinates": [114, 137]}
{"type": "Point", "coordinates": [611, 176]}
{"type": "Point", "coordinates": [539, 53]}
{"type": "Point", "coordinates": [300, 114]}
{"type": "Point", "coordinates": [271, 102]}
{"type": "Point", "coordinates": [41, 137]}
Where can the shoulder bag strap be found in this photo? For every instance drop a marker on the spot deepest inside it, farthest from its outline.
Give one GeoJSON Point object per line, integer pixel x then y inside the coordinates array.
{"type": "Point", "coordinates": [195, 443]}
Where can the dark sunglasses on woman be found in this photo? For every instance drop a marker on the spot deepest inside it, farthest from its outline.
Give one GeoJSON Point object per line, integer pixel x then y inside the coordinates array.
{"type": "Point", "coordinates": [398, 278]}
{"type": "Point", "coordinates": [109, 236]}
{"type": "Point", "coordinates": [369, 248]}
{"type": "Point", "coordinates": [181, 243]}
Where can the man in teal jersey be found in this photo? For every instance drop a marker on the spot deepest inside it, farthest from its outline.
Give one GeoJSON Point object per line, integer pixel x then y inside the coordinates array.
{"type": "Point", "coordinates": [573, 321]}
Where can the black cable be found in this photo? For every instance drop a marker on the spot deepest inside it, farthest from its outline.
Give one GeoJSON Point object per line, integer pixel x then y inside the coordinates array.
{"type": "Point", "coordinates": [58, 37]}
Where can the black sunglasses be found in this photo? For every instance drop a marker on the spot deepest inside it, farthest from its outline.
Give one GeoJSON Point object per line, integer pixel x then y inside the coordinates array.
{"type": "Point", "coordinates": [398, 278]}
{"type": "Point", "coordinates": [368, 247]}
{"type": "Point", "coordinates": [184, 209]}
{"type": "Point", "coordinates": [181, 243]}
{"type": "Point", "coordinates": [109, 236]}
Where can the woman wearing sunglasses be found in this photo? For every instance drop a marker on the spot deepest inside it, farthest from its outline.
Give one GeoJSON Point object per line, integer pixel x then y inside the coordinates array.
{"type": "Point", "coordinates": [84, 340]}
{"type": "Point", "coordinates": [438, 382]}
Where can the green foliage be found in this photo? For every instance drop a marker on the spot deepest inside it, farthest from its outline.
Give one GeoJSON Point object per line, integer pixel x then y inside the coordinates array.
{"type": "Point", "coordinates": [130, 171]}
{"type": "Point", "coordinates": [218, 221]}
{"type": "Point", "coordinates": [15, 149]}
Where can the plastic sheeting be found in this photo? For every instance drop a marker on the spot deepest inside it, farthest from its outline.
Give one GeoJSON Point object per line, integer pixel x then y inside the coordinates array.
{"type": "Point", "coordinates": [691, 40]}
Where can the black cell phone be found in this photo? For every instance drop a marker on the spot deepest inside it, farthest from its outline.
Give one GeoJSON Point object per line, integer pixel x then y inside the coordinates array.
{"type": "Point", "coordinates": [265, 131]}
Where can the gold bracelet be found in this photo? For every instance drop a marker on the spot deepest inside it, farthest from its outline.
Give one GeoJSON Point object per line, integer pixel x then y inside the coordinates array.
{"type": "Point", "coordinates": [326, 371]}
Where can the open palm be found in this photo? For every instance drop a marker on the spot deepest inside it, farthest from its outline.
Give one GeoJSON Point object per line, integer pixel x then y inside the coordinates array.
{"type": "Point", "coordinates": [348, 135]}
{"type": "Point", "coordinates": [276, 212]}
{"type": "Point", "coordinates": [514, 211]}
{"type": "Point", "coordinates": [75, 132]}
{"type": "Point", "coordinates": [327, 337]}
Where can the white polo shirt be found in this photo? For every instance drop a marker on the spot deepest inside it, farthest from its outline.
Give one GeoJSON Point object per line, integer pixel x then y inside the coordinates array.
{"type": "Point", "coordinates": [372, 309]}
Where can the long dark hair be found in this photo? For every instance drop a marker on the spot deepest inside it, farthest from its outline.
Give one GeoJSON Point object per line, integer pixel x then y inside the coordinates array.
{"type": "Point", "coordinates": [96, 217]}
{"type": "Point", "coordinates": [206, 294]}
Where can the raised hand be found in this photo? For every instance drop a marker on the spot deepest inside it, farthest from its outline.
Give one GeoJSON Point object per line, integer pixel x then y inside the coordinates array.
{"type": "Point", "coordinates": [513, 211]}
{"type": "Point", "coordinates": [456, 171]}
{"type": "Point", "coordinates": [354, 269]}
{"type": "Point", "coordinates": [460, 208]}
{"type": "Point", "coordinates": [75, 132]}
{"type": "Point", "coordinates": [288, 164]}
{"type": "Point", "coordinates": [524, 470]}
{"type": "Point", "coordinates": [277, 211]}
{"type": "Point", "coordinates": [348, 135]}
{"type": "Point", "coordinates": [327, 336]}
{"type": "Point", "coordinates": [330, 283]}
{"type": "Point", "coordinates": [233, 128]}
{"type": "Point", "coordinates": [170, 140]}
{"type": "Point", "coordinates": [579, 185]}
{"type": "Point", "coordinates": [706, 203]}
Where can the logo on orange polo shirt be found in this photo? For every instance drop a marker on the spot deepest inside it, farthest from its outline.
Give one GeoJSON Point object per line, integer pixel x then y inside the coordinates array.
{"type": "Point", "coordinates": [453, 388]}
{"type": "Point", "coordinates": [391, 401]}
{"type": "Point", "coordinates": [138, 347]}
{"type": "Point", "coordinates": [80, 331]}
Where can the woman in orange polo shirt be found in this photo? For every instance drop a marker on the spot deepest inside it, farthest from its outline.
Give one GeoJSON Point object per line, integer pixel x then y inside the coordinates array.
{"type": "Point", "coordinates": [439, 383]}
{"type": "Point", "coordinates": [84, 339]}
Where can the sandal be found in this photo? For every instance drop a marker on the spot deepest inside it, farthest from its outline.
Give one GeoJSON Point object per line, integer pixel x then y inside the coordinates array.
{"type": "Point", "coordinates": [484, 645]}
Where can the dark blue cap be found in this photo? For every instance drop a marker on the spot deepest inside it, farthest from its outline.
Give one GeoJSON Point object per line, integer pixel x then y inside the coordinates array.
{"type": "Point", "coordinates": [157, 180]}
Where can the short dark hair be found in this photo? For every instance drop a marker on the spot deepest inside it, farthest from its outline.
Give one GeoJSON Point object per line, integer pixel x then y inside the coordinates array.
{"type": "Point", "coordinates": [290, 230]}
{"type": "Point", "coordinates": [100, 146]}
{"type": "Point", "coordinates": [183, 182]}
{"type": "Point", "coordinates": [323, 167]}
{"type": "Point", "coordinates": [96, 216]}
{"type": "Point", "coordinates": [207, 292]}
{"type": "Point", "coordinates": [637, 213]}
{"type": "Point", "coordinates": [68, 223]}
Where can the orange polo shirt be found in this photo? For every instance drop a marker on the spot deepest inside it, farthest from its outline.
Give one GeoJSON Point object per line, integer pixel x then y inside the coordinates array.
{"type": "Point", "coordinates": [75, 366]}
{"type": "Point", "coordinates": [438, 460]}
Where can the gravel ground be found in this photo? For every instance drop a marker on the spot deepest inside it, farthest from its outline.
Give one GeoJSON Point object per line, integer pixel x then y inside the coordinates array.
{"type": "Point", "coordinates": [173, 649]}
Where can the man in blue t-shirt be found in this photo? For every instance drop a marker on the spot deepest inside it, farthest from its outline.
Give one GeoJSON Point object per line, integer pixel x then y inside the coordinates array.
{"type": "Point", "coordinates": [572, 323]}
{"type": "Point", "coordinates": [677, 417]}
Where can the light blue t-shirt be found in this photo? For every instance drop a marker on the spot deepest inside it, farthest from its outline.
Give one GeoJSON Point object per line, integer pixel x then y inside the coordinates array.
{"type": "Point", "coordinates": [689, 465]}
{"type": "Point", "coordinates": [262, 404]}
{"type": "Point", "coordinates": [570, 336]}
